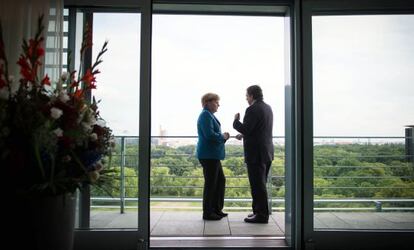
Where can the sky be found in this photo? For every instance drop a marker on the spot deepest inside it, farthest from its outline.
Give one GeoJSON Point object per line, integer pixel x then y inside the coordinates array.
{"type": "Point", "coordinates": [363, 71]}
{"type": "Point", "coordinates": [363, 74]}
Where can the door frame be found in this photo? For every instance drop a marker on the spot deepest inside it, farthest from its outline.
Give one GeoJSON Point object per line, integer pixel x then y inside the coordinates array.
{"type": "Point", "coordinates": [335, 239]}
{"type": "Point", "coordinates": [86, 238]}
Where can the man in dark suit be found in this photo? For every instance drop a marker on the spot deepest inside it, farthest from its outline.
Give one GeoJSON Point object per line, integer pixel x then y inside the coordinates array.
{"type": "Point", "coordinates": [256, 131]}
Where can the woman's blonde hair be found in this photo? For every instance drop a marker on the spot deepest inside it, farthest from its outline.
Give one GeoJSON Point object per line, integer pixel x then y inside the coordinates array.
{"type": "Point", "coordinates": [209, 97]}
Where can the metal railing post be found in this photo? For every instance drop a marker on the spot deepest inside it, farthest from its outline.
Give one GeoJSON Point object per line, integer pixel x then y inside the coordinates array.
{"type": "Point", "coordinates": [378, 206]}
{"type": "Point", "coordinates": [122, 180]}
{"type": "Point", "coordinates": [409, 143]}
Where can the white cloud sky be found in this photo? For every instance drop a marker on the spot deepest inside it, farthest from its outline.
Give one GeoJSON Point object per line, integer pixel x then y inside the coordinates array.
{"type": "Point", "coordinates": [363, 75]}
{"type": "Point", "coordinates": [363, 71]}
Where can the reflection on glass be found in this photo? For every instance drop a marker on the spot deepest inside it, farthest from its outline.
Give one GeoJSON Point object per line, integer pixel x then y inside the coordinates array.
{"type": "Point", "coordinates": [118, 92]}
{"type": "Point", "coordinates": [362, 87]}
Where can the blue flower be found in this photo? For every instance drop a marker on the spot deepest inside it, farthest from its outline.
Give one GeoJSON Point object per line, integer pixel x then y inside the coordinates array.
{"type": "Point", "coordinates": [90, 158]}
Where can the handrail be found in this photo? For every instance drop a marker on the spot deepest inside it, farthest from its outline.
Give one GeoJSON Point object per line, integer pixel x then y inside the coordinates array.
{"type": "Point", "coordinates": [124, 140]}
{"type": "Point", "coordinates": [378, 203]}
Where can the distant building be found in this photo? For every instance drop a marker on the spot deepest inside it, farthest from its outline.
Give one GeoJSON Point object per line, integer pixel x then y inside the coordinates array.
{"type": "Point", "coordinates": [161, 140]}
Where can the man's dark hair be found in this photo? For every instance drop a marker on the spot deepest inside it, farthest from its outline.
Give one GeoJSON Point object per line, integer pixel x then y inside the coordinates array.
{"type": "Point", "coordinates": [256, 92]}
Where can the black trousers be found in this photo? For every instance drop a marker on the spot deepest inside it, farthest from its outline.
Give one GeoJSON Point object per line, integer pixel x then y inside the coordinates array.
{"type": "Point", "coordinates": [214, 186]}
{"type": "Point", "coordinates": [258, 173]}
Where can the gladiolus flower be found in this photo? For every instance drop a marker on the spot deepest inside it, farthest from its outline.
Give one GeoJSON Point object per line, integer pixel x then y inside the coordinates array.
{"type": "Point", "coordinates": [89, 79]}
{"type": "Point", "coordinates": [25, 69]}
{"type": "Point", "coordinates": [40, 51]}
{"type": "Point", "coordinates": [46, 80]}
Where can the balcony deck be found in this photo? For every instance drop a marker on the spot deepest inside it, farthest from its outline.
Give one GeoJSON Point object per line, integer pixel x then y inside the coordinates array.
{"type": "Point", "coordinates": [189, 223]}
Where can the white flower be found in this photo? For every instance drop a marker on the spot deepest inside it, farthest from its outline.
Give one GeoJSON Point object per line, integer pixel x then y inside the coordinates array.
{"type": "Point", "coordinates": [4, 93]}
{"type": "Point", "coordinates": [58, 132]}
{"type": "Point", "coordinates": [86, 126]}
{"type": "Point", "coordinates": [59, 86]}
{"type": "Point", "coordinates": [93, 136]}
{"type": "Point", "coordinates": [56, 113]}
{"type": "Point", "coordinates": [101, 123]}
{"type": "Point", "coordinates": [29, 87]}
{"type": "Point", "coordinates": [93, 120]}
{"type": "Point", "coordinates": [14, 87]}
{"type": "Point", "coordinates": [64, 76]}
{"type": "Point", "coordinates": [63, 96]}
{"type": "Point", "coordinates": [11, 78]}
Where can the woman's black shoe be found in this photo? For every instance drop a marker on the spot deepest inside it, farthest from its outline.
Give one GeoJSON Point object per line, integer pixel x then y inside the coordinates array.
{"type": "Point", "coordinates": [212, 216]}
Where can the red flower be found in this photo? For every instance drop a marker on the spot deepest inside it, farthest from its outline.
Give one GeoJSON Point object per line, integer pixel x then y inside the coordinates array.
{"type": "Point", "coordinates": [25, 69]}
{"type": "Point", "coordinates": [89, 79]}
{"type": "Point", "coordinates": [78, 94]}
{"type": "Point", "coordinates": [46, 80]}
{"type": "Point", "coordinates": [40, 51]}
{"type": "Point", "coordinates": [35, 50]}
{"type": "Point", "coordinates": [36, 141]}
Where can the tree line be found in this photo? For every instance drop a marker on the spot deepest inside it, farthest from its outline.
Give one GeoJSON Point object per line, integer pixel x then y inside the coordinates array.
{"type": "Point", "coordinates": [340, 171]}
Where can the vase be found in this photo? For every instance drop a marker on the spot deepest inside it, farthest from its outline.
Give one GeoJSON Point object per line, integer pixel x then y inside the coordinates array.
{"type": "Point", "coordinates": [46, 222]}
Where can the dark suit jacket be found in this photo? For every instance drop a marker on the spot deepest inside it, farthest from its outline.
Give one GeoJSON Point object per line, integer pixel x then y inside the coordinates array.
{"type": "Point", "coordinates": [257, 133]}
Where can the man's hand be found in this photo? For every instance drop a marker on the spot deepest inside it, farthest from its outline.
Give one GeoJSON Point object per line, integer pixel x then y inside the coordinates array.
{"type": "Point", "coordinates": [226, 136]}
{"type": "Point", "coordinates": [237, 116]}
{"type": "Point", "coordinates": [239, 136]}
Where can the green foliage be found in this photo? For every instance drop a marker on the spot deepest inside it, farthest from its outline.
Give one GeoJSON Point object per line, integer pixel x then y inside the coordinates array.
{"type": "Point", "coordinates": [340, 171]}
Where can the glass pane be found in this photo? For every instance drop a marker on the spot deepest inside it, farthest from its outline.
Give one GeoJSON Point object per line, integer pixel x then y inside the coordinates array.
{"type": "Point", "coordinates": [118, 92]}
{"type": "Point", "coordinates": [363, 102]}
{"type": "Point", "coordinates": [193, 55]}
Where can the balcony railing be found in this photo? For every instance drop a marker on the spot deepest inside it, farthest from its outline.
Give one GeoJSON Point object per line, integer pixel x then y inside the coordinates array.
{"type": "Point", "coordinates": [380, 169]}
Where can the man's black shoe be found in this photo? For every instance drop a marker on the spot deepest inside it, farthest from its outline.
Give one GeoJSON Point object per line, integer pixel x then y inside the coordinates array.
{"type": "Point", "coordinates": [221, 214]}
{"type": "Point", "coordinates": [257, 219]}
{"type": "Point", "coordinates": [251, 215]}
{"type": "Point", "coordinates": [212, 216]}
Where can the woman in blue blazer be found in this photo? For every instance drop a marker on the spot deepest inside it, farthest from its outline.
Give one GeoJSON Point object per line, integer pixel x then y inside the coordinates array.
{"type": "Point", "coordinates": [210, 152]}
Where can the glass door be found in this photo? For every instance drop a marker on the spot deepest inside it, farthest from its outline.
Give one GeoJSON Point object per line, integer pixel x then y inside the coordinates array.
{"type": "Point", "coordinates": [123, 219]}
{"type": "Point", "coordinates": [117, 216]}
{"type": "Point", "coordinates": [358, 175]}
{"type": "Point", "coordinates": [223, 49]}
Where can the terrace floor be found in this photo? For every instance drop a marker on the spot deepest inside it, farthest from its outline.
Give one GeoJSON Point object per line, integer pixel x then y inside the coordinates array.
{"type": "Point", "coordinates": [190, 223]}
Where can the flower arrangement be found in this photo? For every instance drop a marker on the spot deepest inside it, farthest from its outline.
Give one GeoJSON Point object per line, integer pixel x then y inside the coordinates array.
{"type": "Point", "coordinates": [52, 138]}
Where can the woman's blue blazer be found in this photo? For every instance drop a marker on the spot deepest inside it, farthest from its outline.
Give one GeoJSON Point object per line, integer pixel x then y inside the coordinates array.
{"type": "Point", "coordinates": [210, 143]}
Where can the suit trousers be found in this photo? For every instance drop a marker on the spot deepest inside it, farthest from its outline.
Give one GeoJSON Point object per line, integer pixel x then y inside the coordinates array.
{"type": "Point", "coordinates": [214, 186]}
{"type": "Point", "coordinates": [258, 173]}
